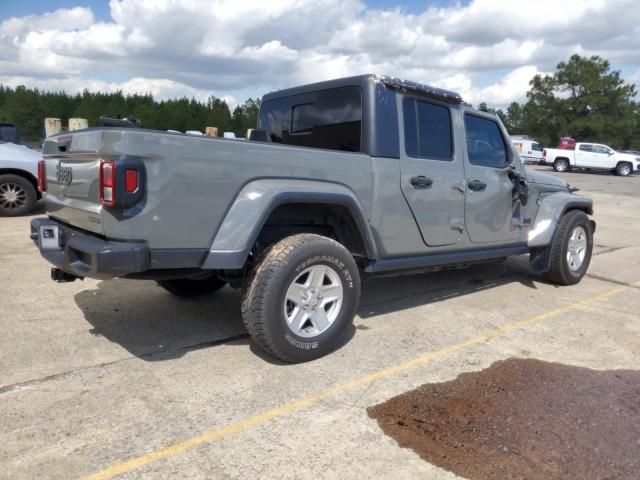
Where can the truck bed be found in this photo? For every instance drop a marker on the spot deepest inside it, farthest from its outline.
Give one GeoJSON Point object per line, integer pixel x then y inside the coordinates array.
{"type": "Point", "coordinates": [190, 181]}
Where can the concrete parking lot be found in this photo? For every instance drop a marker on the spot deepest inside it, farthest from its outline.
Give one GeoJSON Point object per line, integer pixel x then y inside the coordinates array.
{"type": "Point", "coordinates": [106, 379]}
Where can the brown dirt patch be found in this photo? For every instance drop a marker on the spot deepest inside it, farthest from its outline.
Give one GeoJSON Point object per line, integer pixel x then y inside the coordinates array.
{"type": "Point", "coordinates": [523, 419]}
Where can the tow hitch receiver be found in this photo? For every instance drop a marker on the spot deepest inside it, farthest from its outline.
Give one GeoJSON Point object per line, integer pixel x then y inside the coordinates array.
{"type": "Point", "coordinates": [61, 276]}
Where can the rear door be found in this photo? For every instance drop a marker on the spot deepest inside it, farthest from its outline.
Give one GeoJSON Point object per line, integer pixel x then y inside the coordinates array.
{"type": "Point", "coordinates": [432, 172]}
{"type": "Point", "coordinates": [489, 209]}
{"type": "Point", "coordinates": [585, 155]}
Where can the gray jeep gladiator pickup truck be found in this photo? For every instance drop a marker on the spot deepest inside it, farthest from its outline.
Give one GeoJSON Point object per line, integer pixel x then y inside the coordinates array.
{"type": "Point", "coordinates": [342, 179]}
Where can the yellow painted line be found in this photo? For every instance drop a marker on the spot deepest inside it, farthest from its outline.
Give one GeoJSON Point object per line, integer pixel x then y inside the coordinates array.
{"type": "Point", "coordinates": [218, 433]}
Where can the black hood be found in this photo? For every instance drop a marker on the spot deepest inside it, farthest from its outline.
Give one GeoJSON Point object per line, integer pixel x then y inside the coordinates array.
{"type": "Point", "coordinates": [545, 179]}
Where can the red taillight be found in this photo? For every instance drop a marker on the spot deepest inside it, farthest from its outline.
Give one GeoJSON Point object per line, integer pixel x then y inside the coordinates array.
{"type": "Point", "coordinates": [107, 183]}
{"type": "Point", "coordinates": [42, 176]}
{"type": "Point", "coordinates": [131, 180]}
{"type": "Point", "coordinates": [544, 152]}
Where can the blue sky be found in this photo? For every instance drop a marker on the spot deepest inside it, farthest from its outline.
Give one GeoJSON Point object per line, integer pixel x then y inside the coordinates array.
{"type": "Point", "coordinates": [100, 8]}
{"type": "Point", "coordinates": [21, 8]}
{"type": "Point", "coordinates": [488, 50]}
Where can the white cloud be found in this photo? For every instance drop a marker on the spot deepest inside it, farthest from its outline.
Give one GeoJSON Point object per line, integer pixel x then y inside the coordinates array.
{"type": "Point", "coordinates": [486, 49]}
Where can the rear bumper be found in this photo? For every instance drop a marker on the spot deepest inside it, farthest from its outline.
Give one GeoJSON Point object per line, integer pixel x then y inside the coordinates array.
{"type": "Point", "coordinates": [86, 255]}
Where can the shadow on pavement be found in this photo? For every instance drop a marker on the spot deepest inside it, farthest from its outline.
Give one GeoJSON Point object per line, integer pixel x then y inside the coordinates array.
{"type": "Point", "coordinates": [154, 325]}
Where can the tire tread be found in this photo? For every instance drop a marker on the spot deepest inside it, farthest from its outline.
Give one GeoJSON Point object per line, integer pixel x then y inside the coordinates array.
{"type": "Point", "coordinates": [558, 273]}
{"type": "Point", "coordinates": [266, 270]}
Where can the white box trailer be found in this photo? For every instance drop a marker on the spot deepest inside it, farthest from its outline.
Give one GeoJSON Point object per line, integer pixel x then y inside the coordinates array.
{"type": "Point", "coordinates": [529, 149]}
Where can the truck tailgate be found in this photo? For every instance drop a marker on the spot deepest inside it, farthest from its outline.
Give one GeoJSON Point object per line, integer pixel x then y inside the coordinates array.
{"type": "Point", "coordinates": [73, 179]}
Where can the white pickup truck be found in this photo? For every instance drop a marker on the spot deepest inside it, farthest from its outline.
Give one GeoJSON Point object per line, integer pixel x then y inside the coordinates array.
{"type": "Point", "coordinates": [591, 156]}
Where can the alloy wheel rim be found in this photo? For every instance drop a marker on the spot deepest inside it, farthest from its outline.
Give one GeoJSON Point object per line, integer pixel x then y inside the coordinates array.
{"type": "Point", "coordinates": [313, 301]}
{"type": "Point", "coordinates": [624, 169]}
{"type": "Point", "coordinates": [577, 248]}
{"type": "Point", "coordinates": [12, 196]}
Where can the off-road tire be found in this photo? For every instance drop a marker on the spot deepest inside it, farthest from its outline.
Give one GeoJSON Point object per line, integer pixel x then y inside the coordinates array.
{"type": "Point", "coordinates": [263, 297]}
{"type": "Point", "coordinates": [190, 287]}
{"type": "Point", "coordinates": [624, 169]}
{"type": "Point", "coordinates": [28, 195]}
{"type": "Point", "coordinates": [561, 165]}
{"type": "Point", "coordinates": [560, 273]}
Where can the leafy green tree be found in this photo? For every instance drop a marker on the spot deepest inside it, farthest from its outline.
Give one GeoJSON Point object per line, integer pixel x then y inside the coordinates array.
{"type": "Point", "coordinates": [584, 99]}
{"type": "Point", "coordinates": [513, 118]}
{"type": "Point", "coordinates": [25, 108]}
{"type": "Point", "coordinates": [218, 114]}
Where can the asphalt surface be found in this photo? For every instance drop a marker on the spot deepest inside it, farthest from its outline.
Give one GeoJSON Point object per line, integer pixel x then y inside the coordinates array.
{"type": "Point", "coordinates": [120, 379]}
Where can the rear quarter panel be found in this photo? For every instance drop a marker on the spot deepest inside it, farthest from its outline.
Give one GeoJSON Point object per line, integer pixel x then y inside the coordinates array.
{"type": "Point", "coordinates": [192, 181]}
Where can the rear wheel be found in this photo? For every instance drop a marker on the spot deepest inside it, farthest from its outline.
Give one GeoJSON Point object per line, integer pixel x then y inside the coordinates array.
{"type": "Point", "coordinates": [623, 169]}
{"type": "Point", "coordinates": [301, 295]}
{"type": "Point", "coordinates": [190, 287]}
{"type": "Point", "coordinates": [571, 249]}
{"type": "Point", "coordinates": [17, 195]}
{"type": "Point", "coordinates": [561, 165]}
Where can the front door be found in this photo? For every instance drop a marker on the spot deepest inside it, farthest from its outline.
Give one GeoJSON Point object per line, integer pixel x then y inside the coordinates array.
{"type": "Point", "coordinates": [585, 156]}
{"type": "Point", "coordinates": [432, 171]}
{"type": "Point", "coordinates": [489, 208]}
{"type": "Point", "coordinates": [602, 157]}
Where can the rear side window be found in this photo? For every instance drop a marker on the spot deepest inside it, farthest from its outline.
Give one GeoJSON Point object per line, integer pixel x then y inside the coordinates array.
{"type": "Point", "coordinates": [485, 144]}
{"type": "Point", "coordinates": [585, 147]}
{"type": "Point", "coordinates": [427, 130]}
{"type": "Point", "coordinates": [536, 147]}
{"type": "Point", "coordinates": [330, 119]}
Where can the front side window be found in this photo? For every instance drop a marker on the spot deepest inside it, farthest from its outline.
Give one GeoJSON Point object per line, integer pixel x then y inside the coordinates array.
{"type": "Point", "coordinates": [485, 144]}
{"type": "Point", "coordinates": [329, 119]}
{"type": "Point", "coordinates": [427, 130]}
{"type": "Point", "coordinates": [600, 149]}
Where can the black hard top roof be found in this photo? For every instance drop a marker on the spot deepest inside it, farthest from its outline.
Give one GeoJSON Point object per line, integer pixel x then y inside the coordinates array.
{"type": "Point", "coordinates": [362, 80]}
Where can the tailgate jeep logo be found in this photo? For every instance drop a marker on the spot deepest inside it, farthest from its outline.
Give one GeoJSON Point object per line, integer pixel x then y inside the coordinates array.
{"type": "Point", "coordinates": [64, 174]}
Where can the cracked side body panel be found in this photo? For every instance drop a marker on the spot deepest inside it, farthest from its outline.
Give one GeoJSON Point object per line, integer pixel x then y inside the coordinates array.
{"type": "Point", "coordinates": [251, 208]}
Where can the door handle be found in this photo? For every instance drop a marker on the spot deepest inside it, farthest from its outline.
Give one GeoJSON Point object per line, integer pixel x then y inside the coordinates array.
{"type": "Point", "coordinates": [421, 181]}
{"type": "Point", "coordinates": [476, 185]}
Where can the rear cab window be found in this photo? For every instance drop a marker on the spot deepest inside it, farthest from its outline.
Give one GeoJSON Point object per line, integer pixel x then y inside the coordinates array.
{"type": "Point", "coordinates": [427, 130]}
{"type": "Point", "coordinates": [485, 144]}
{"type": "Point", "coordinates": [328, 119]}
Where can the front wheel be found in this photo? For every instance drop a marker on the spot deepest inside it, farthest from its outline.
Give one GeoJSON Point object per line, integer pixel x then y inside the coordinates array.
{"type": "Point", "coordinates": [571, 249]}
{"type": "Point", "coordinates": [623, 169]}
{"type": "Point", "coordinates": [302, 294]}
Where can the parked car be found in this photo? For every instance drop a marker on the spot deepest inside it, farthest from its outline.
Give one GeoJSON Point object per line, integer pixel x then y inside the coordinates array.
{"type": "Point", "coordinates": [9, 133]}
{"type": "Point", "coordinates": [356, 177]}
{"type": "Point", "coordinates": [592, 156]}
{"type": "Point", "coordinates": [18, 179]}
{"type": "Point", "coordinates": [530, 150]}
